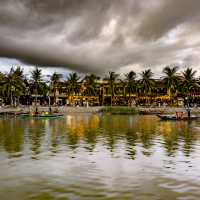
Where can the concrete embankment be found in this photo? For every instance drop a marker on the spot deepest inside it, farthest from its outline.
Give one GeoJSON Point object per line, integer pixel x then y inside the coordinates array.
{"type": "Point", "coordinates": [166, 110]}
{"type": "Point", "coordinates": [67, 109]}
{"type": "Point", "coordinates": [60, 109]}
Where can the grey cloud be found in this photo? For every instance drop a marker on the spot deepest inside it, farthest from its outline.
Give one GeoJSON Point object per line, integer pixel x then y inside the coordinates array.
{"type": "Point", "coordinates": [166, 16]}
{"type": "Point", "coordinates": [99, 35]}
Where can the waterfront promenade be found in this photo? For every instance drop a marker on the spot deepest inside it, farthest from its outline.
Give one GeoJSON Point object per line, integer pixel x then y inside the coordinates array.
{"type": "Point", "coordinates": [96, 109]}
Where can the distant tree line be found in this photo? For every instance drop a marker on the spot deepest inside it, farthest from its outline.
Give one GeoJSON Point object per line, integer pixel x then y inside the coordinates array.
{"type": "Point", "coordinates": [15, 84]}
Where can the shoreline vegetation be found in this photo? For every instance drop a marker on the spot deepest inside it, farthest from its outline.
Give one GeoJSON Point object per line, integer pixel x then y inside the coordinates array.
{"type": "Point", "coordinates": [174, 88]}
{"type": "Point", "coordinates": [119, 110]}
{"type": "Point", "coordinates": [98, 109]}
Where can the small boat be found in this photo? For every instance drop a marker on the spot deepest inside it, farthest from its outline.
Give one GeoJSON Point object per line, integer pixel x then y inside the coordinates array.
{"type": "Point", "coordinates": [43, 116]}
{"type": "Point", "coordinates": [174, 118]}
{"type": "Point", "coordinates": [6, 113]}
{"type": "Point", "coordinates": [11, 113]}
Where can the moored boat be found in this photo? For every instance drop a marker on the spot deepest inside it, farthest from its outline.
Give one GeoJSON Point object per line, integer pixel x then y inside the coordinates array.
{"type": "Point", "coordinates": [175, 118]}
{"type": "Point", "coordinates": [41, 115]}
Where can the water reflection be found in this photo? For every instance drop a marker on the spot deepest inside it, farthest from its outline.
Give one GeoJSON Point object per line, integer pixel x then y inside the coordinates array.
{"type": "Point", "coordinates": [178, 136]}
{"type": "Point", "coordinates": [87, 130]}
{"type": "Point", "coordinates": [94, 156]}
{"type": "Point", "coordinates": [11, 136]}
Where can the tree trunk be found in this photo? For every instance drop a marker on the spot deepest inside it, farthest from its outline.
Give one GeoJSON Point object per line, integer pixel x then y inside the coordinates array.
{"type": "Point", "coordinates": [36, 108]}
{"type": "Point", "coordinates": [102, 96]}
{"type": "Point", "coordinates": [15, 102]}
{"type": "Point", "coordinates": [112, 95]}
{"type": "Point", "coordinates": [11, 98]}
{"type": "Point", "coordinates": [54, 98]}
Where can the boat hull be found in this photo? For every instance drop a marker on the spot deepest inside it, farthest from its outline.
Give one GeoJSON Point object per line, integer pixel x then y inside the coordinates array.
{"type": "Point", "coordinates": [174, 118]}
{"type": "Point", "coordinates": [41, 116]}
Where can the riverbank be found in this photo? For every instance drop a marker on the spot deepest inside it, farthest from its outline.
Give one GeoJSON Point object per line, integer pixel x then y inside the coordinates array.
{"type": "Point", "coordinates": [112, 110]}
{"type": "Point", "coordinates": [147, 110]}
{"type": "Point", "coordinates": [60, 109]}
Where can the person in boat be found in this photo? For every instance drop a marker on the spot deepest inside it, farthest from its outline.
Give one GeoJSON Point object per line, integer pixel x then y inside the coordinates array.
{"type": "Point", "coordinates": [188, 111]}
{"type": "Point", "coordinates": [36, 111]}
{"type": "Point", "coordinates": [179, 115]}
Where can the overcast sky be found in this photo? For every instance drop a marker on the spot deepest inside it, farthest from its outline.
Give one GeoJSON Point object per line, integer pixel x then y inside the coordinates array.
{"type": "Point", "coordinates": [97, 36]}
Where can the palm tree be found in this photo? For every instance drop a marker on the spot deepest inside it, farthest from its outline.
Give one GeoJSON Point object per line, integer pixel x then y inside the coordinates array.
{"type": "Point", "coordinates": [20, 79]}
{"type": "Point", "coordinates": [112, 80]}
{"type": "Point", "coordinates": [27, 91]}
{"type": "Point", "coordinates": [54, 84]}
{"type": "Point", "coordinates": [90, 82]}
{"type": "Point", "coordinates": [73, 83]}
{"type": "Point", "coordinates": [170, 79]}
{"type": "Point", "coordinates": [13, 85]}
{"type": "Point", "coordinates": [124, 85]}
{"type": "Point", "coordinates": [146, 81]}
{"type": "Point", "coordinates": [188, 82]}
{"type": "Point", "coordinates": [2, 77]}
{"type": "Point", "coordinates": [131, 84]}
{"type": "Point", "coordinates": [37, 85]}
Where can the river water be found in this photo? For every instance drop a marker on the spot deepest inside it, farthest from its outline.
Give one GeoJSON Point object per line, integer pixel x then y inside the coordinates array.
{"type": "Point", "coordinates": [99, 157]}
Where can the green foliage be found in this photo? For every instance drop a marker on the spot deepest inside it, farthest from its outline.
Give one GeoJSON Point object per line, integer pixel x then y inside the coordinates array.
{"type": "Point", "coordinates": [118, 110]}
{"type": "Point", "coordinates": [131, 82]}
{"type": "Point", "coordinates": [36, 75]}
{"type": "Point", "coordinates": [73, 83]}
{"type": "Point", "coordinates": [91, 85]}
{"type": "Point", "coordinates": [112, 78]}
{"type": "Point", "coordinates": [170, 79]}
{"type": "Point", "coordinates": [188, 82]}
{"type": "Point", "coordinates": [12, 85]}
{"type": "Point", "coordinates": [146, 82]}
{"type": "Point", "coordinates": [55, 84]}
{"type": "Point", "coordinates": [37, 86]}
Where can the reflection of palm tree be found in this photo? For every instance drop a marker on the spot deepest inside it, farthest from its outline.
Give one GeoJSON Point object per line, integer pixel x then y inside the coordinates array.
{"type": "Point", "coordinates": [171, 142]}
{"type": "Point", "coordinates": [146, 82]}
{"type": "Point", "coordinates": [91, 139]}
{"type": "Point", "coordinates": [72, 140]}
{"type": "Point", "coordinates": [36, 136]}
{"type": "Point", "coordinates": [12, 136]}
{"type": "Point", "coordinates": [112, 78]}
{"type": "Point", "coordinates": [131, 139]}
{"type": "Point", "coordinates": [146, 139]}
{"type": "Point", "coordinates": [170, 79]}
{"type": "Point", "coordinates": [189, 140]}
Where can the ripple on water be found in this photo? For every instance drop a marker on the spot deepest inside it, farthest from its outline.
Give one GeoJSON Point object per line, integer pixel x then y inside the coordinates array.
{"type": "Point", "coordinates": [87, 157]}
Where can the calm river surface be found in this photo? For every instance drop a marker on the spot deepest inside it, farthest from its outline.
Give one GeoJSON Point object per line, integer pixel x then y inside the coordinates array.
{"type": "Point", "coordinates": [99, 157]}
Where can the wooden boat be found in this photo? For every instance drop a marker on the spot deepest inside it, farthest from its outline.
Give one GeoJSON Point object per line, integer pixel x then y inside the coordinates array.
{"type": "Point", "coordinates": [12, 114]}
{"type": "Point", "coordinates": [174, 118]}
{"type": "Point", "coordinates": [42, 116]}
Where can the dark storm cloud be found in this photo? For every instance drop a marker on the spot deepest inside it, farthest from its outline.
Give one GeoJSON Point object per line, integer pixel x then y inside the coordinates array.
{"type": "Point", "coordinates": [167, 16]}
{"type": "Point", "coordinates": [100, 35]}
